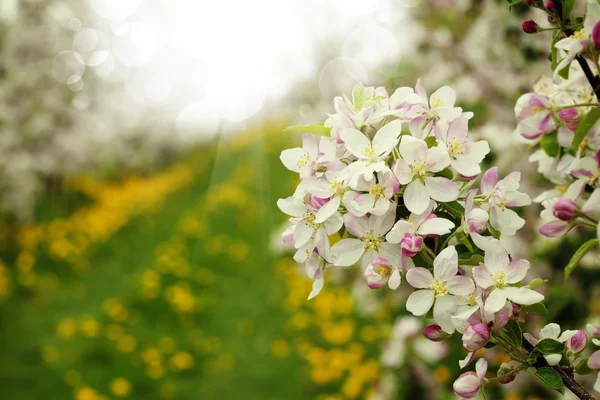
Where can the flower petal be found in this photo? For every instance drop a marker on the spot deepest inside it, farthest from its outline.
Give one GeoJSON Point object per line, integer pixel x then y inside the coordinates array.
{"type": "Point", "coordinates": [347, 252]}
{"type": "Point", "coordinates": [419, 278]}
{"type": "Point", "coordinates": [523, 296]}
{"type": "Point", "coordinates": [413, 149]}
{"type": "Point", "coordinates": [355, 141]}
{"type": "Point", "coordinates": [435, 226]}
{"type": "Point", "coordinates": [445, 265]}
{"type": "Point", "coordinates": [489, 181]}
{"type": "Point", "coordinates": [460, 285]}
{"type": "Point", "coordinates": [516, 270]}
{"type": "Point", "coordinates": [419, 302]}
{"type": "Point", "coordinates": [482, 277]}
{"type": "Point", "coordinates": [402, 171]}
{"type": "Point", "coordinates": [437, 159]}
{"type": "Point", "coordinates": [416, 197]}
{"type": "Point", "coordinates": [386, 138]}
{"type": "Point", "coordinates": [400, 229]}
{"type": "Point", "coordinates": [441, 189]}
{"type": "Point", "coordinates": [495, 301]}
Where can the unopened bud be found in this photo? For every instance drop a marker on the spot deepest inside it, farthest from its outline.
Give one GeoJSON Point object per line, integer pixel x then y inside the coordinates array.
{"type": "Point", "coordinates": [434, 333]}
{"type": "Point", "coordinates": [411, 245]}
{"type": "Point", "coordinates": [578, 342]}
{"type": "Point", "coordinates": [504, 374]}
{"type": "Point", "coordinates": [596, 35]}
{"type": "Point", "coordinates": [565, 209]}
{"type": "Point", "coordinates": [475, 337]}
{"type": "Point", "coordinates": [550, 6]}
{"type": "Point", "coordinates": [529, 26]}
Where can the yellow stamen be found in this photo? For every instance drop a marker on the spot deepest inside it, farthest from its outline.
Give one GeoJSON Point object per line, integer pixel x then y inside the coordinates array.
{"type": "Point", "coordinates": [439, 287]}
{"type": "Point", "coordinates": [376, 191]}
{"type": "Point", "coordinates": [500, 279]}
{"type": "Point", "coordinates": [579, 35]}
{"type": "Point", "coordinates": [371, 240]}
{"type": "Point", "coordinates": [418, 169]}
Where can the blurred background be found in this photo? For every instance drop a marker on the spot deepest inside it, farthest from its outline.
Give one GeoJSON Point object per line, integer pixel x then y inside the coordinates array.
{"type": "Point", "coordinates": [139, 171]}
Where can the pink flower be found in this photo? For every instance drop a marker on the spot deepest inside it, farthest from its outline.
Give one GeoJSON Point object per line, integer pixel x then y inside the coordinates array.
{"type": "Point", "coordinates": [475, 337]}
{"type": "Point", "coordinates": [565, 209]}
{"type": "Point", "coordinates": [434, 333]}
{"type": "Point", "coordinates": [577, 342]}
{"type": "Point", "coordinates": [380, 272]}
{"type": "Point", "coordinates": [468, 384]}
{"type": "Point", "coordinates": [529, 26]}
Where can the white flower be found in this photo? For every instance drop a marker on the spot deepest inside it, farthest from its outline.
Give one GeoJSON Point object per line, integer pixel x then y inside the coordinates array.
{"type": "Point", "coordinates": [308, 234]}
{"type": "Point", "coordinates": [416, 168]}
{"type": "Point", "coordinates": [380, 272]}
{"type": "Point", "coordinates": [498, 274]}
{"type": "Point", "coordinates": [315, 266]}
{"type": "Point", "coordinates": [465, 156]}
{"type": "Point", "coordinates": [572, 46]}
{"type": "Point", "coordinates": [421, 225]}
{"type": "Point", "coordinates": [371, 155]}
{"type": "Point", "coordinates": [467, 385]}
{"type": "Point", "coordinates": [587, 168]}
{"type": "Point", "coordinates": [475, 221]}
{"type": "Point", "coordinates": [551, 331]}
{"type": "Point", "coordinates": [378, 197]}
{"type": "Point", "coordinates": [502, 194]}
{"type": "Point", "coordinates": [439, 106]}
{"type": "Point", "coordinates": [370, 232]}
{"type": "Point", "coordinates": [314, 152]}
{"type": "Point", "coordinates": [439, 288]}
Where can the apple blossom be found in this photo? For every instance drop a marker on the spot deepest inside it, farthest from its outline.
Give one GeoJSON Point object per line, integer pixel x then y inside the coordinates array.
{"type": "Point", "coordinates": [468, 383]}
{"type": "Point", "coordinates": [551, 331]}
{"type": "Point", "coordinates": [475, 336]}
{"type": "Point", "coordinates": [416, 169]}
{"type": "Point", "coordinates": [380, 272]}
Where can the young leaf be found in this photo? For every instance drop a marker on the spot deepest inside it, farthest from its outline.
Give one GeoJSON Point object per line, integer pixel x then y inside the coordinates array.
{"type": "Point", "coordinates": [431, 142]}
{"type": "Point", "coordinates": [317, 129]}
{"type": "Point", "coordinates": [446, 173]}
{"type": "Point", "coordinates": [549, 346]}
{"type": "Point", "coordinates": [564, 73]}
{"type": "Point", "coordinates": [553, 50]}
{"type": "Point", "coordinates": [582, 367]}
{"type": "Point", "coordinates": [550, 144]}
{"type": "Point", "coordinates": [537, 308]}
{"type": "Point", "coordinates": [550, 378]}
{"type": "Point", "coordinates": [454, 208]}
{"type": "Point", "coordinates": [567, 7]}
{"type": "Point", "coordinates": [584, 127]}
{"type": "Point", "coordinates": [470, 259]}
{"type": "Point", "coordinates": [513, 333]}
{"type": "Point", "coordinates": [512, 3]}
{"type": "Point", "coordinates": [587, 246]}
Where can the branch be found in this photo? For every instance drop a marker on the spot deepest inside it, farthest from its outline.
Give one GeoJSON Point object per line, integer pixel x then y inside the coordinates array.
{"type": "Point", "coordinates": [594, 80]}
{"type": "Point", "coordinates": [566, 374]}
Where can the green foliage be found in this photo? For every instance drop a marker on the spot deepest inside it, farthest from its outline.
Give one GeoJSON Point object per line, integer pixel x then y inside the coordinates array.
{"type": "Point", "coordinates": [567, 7]}
{"type": "Point", "coordinates": [584, 127]}
{"type": "Point", "coordinates": [317, 129]}
{"type": "Point", "coordinates": [431, 141]}
{"type": "Point", "coordinates": [512, 3]}
{"type": "Point", "coordinates": [549, 346]}
{"type": "Point", "coordinates": [550, 144]}
{"type": "Point", "coordinates": [550, 378]}
{"type": "Point", "coordinates": [513, 333]}
{"type": "Point", "coordinates": [587, 246]}
{"type": "Point", "coordinates": [470, 259]}
{"type": "Point", "coordinates": [582, 367]}
{"type": "Point", "coordinates": [361, 96]}
{"type": "Point", "coordinates": [537, 308]}
{"type": "Point", "coordinates": [553, 51]}
{"type": "Point", "coordinates": [446, 173]}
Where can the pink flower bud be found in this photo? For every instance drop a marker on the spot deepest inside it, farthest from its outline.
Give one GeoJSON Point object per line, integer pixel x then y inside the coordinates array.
{"type": "Point", "coordinates": [529, 26]}
{"type": "Point", "coordinates": [411, 245]}
{"type": "Point", "coordinates": [554, 228]}
{"type": "Point", "coordinates": [565, 209]}
{"type": "Point", "coordinates": [569, 116]}
{"type": "Point", "coordinates": [434, 333]}
{"type": "Point", "coordinates": [468, 384]}
{"type": "Point", "coordinates": [475, 336]}
{"type": "Point", "coordinates": [380, 272]}
{"type": "Point", "coordinates": [578, 342]}
{"type": "Point", "coordinates": [550, 6]}
{"type": "Point", "coordinates": [317, 202]}
{"type": "Point", "coordinates": [596, 35]}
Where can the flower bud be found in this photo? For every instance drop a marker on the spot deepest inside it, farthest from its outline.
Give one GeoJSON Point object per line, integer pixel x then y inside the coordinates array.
{"type": "Point", "coordinates": [596, 35]}
{"type": "Point", "coordinates": [569, 116]}
{"type": "Point", "coordinates": [565, 209]}
{"type": "Point", "coordinates": [317, 202]}
{"type": "Point", "coordinates": [475, 337]}
{"type": "Point", "coordinates": [529, 26]}
{"type": "Point", "coordinates": [380, 272]}
{"type": "Point", "coordinates": [550, 6]}
{"type": "Point", "coordinates": [504, 373]}
{"type": "Point", "coordinates": [553, 229]}
{"type": "Point", "coordinates": [434, 333]}
{"type": "Point", "coordinates": [467, 385]}
{"type": "Point", "coordinates": [578, 342]}
{"type": "Point", "coordinates": [411, 245]}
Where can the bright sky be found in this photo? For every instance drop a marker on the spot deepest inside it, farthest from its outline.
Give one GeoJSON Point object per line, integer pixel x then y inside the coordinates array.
{"type": "Point", "coordinates": [207, 61]}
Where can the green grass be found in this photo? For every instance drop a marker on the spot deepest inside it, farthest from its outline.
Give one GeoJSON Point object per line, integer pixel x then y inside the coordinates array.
{"type": "Point", "coordinates": [241, 316]}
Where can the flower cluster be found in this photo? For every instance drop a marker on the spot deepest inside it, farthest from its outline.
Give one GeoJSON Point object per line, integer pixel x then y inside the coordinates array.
{"type": "Point", "coordinates": [387, 183]}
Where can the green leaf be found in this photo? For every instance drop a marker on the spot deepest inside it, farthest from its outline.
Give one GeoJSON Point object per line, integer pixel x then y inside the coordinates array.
{"type": "Point", "coordinates": [550, 144]}
{"type": "Point", "coordinates": [537, 308]}
{"type": "Point", "coordinates": [567, 7]}
{"type": "Point", "coordinates": [564, 73]}
{"type": "Point", "coordinates": [470, 259]}
{"type": "Point", "coordinates": [582, 367]}
{"type": "Point", "coordinates": [454, 208]}
{"type": "Point", "coordinates": [431, 141]}
{"type": "Point", "coordinates": [494, 232]}
{"type": "Point", "coordinates": [513, 333]}
{"type": "Point", "coordinates": [549, 346]}
{"type": "Point", "coordinates": [317, 129]}
{"type": "Point", "coordinates": [550, 378]}
{"type": "Point", "coordinates": [446, 173]}
{"type": "Point", "coordinates": [553, 50]}
{"type": "Point", "coordinates": [512, 3]}
{"type": "Point", "coordinates": [467, 243]}
{"type": "Point", "coordinates": [535, 283]}
{"type": "Point", "coordinates": [584, 127]}
{"type": "Point", "coordinates": [361, 96]}
{"type": "Point", "coordinates": [587, 246]}
{"type": "Point", "coordinates": [533, 357]}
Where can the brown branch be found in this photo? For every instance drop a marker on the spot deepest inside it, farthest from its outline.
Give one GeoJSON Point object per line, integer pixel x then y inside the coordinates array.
{"type": "Point", "coordinates": [592, 79]}
{"type": "Point", "coordinates": [566, 374]}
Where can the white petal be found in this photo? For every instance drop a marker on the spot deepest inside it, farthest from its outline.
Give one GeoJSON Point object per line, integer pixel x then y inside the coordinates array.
{"type": "Point", "coordinates": [395, 280]}
{"type": "Point", "coordinates": [482, 277]}
{"type": "Point", "coordinates": [460, 285]}
{"type": "Point", "coordinates": [435, 226]}
{"type": "Point", "coordinates": [550, 331]}
{"type": "Point", "coordinates": [357, 226]}
{"type": "Point", "coordinates": [317, 286]}
{"type": "Point", "coordinates": [441, 189]}
{"type": "Point", "coordinates": [566, 335]}
{"type": "Point", "coordinates": [516, 271]}
{"type": "Point", "coordinates": [402, 172]}
{"type": "Point", "coordinates": [523, 296]}
{"type": "Point", "coordinates": [495, 301]}
{"type": "Point", "coordinates": [592, 205]}
{"type": "Point", "coordinates": [355, 141]}
{"type": "Point", "coordinates": [443, 97]}
{"type": "Point", "coordinates": [496, 258]}
{"type": "Point", "coordinates": [437, 159]}
{"type": "Point", "coordinates": [387, 137]}
{"type": "Point", "coordinates": [506, 221]}
{"type": "Point", "coordinates": [416, 197]}
{"type": "Point", "coordinates": [443, 309]}
{"type": "Point", "coordinates": [347, 252]}
{"type": "Point", "coordinates": [290, 158]}
{"type": "Point", "coordinates": [413, 149]}
{"type": "Point", "coordinates": [419, 278]}
{"type": "Point", "coordinates": [328, 209]}
{"type": "Point", "coordinates": [420, 302]}
{"type": "Point", "coordinates": [552, 359]}
{"type": "Point", "coordinates": [445, 265]}
{"type": "Point", "coordinates": [401, 228]}
{"type": "Point", "coordinates": [292, 206]}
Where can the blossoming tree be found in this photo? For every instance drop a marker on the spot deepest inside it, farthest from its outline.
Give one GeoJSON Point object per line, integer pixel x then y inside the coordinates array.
{"type": "Point", "coordinates": [390, 182]}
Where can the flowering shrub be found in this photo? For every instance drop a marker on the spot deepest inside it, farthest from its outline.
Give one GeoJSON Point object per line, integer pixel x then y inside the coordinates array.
{"type": "Point", "coordinates": [389, 182]}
